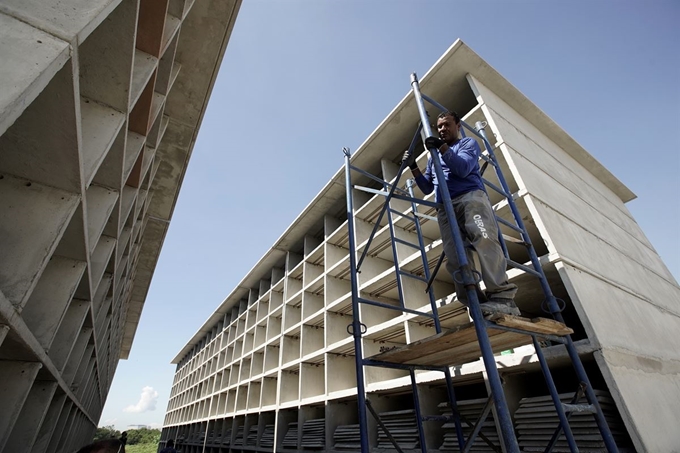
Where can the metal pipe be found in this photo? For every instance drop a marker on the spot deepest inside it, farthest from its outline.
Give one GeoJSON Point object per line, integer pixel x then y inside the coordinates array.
{"type": "Point", "coordinates": [419, 417]}
{"type": "Point", "coordinates": [356, 322]}
{"type": "Point", "coordinates": [384, 428]}
{"type": "Point", "coordinates": [401, 366]}
{"type": "Point", "coordinates": [502, 410]}
{"type": "Point", "coordinates": [553, 440]}
{"type": "Point", "coordinates": [460, 437]}
{"type": "Point", "coordinates": [392, 307]}
{"type": "Point", "coordinates": [555, 397]}
{"type": "Point", "coordinates": [431, 204]}
{"type": "Point", "coordinates": [478, 426]}
{"type": "Point", "coordinates": [386, 194]}
{"type": "Point", "coordinates": [376, 179]}
{"type": "Point", "coordinates": [508, 224]}
{"type": "Point", "coordinates": [395, 255]}
{"type": "Point", "coordinates": [496, 188]}
{"type": "Point", "coordinates": [434, 272]}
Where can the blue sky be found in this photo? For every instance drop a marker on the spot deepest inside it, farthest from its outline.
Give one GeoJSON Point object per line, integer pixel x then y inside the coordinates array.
{"type": "Point", "coordinates": [302, 79]}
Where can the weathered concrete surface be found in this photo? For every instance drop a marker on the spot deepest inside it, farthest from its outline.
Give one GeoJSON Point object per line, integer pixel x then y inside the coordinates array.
{"type": "Point", "coordinates": [625, 296]}
{"type": "Point", "coordinates": [45, 137]}
{"type": "Point", "coordinates": [544, 134]}
{"type": "Point", "coordinates": [46, 306]}
{"type": "Point", "coordinates": [622, 319]}
{"type": "Point", "coordinates": [43, 214]}
{"type": "Point", "coordinates": [173, 155]}
{"type": "Point", "coordinates": [13, 393]}
{"type": "Point", "coordinates": [154, 235]}
{"type": "Point", "coordinates": [67, 19]}
{"type": "Point", "coordinates": [105, 61]}
{"type": "Point", "coordinates": [30, 59]}
{"type": "Point", "coordinates": [647, 392]}
{"type": "Point", "coordinates": [31, 417]}
{"type": "Point", "coordinates": [203, 39]}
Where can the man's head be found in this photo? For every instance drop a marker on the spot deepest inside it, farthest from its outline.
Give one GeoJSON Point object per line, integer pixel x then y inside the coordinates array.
{"type": "Point", "coordinates": [448, 125]}
{"type": "Point", "coordinates": [170, 443]}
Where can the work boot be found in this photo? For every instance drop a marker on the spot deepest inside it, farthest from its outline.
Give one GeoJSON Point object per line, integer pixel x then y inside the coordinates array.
{"type": "Point", "coordinates": [497, 305]}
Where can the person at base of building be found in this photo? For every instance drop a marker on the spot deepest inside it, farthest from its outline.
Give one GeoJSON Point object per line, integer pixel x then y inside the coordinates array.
{"type": "Point", "coordinates": [474, 214]}
{"type": "Point", "coordinates": [169, 447]}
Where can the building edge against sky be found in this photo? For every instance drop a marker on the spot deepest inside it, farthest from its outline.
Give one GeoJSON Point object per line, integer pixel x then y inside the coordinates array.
{"type": "Point", "coordinates": [276, 351]}
{"type": "Point", "coordinates": [99, 113]}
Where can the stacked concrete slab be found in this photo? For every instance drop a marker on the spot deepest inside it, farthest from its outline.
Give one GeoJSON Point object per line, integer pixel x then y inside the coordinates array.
{"type": "Point", "coordinates": [100, 103]}
{"type": "Point", "coordinates": [277, 350]}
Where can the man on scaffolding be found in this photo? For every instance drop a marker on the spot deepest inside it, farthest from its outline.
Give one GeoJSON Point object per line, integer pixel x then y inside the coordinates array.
{"type": "Point", "coordinates": [475, 217]}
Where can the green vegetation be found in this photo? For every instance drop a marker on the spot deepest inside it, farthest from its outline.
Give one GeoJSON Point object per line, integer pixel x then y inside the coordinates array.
{"type": "Point", "coordinates": [143, 436]}
{"type": "Point", "coordinates": [141, 440]}
{"type": "Point", "coordinates": [106, 432]}
{"type": "Point", "coordinates": [141, 448]}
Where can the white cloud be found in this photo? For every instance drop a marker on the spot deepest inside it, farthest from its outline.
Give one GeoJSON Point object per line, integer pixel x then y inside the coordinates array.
{"type": "Point", "coordinates": [147, 401]}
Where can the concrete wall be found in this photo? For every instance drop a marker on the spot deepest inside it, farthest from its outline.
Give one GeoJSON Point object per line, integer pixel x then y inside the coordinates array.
{"type": "Point", "coordinates": [87, 116]}
{"type": "Point", "coordinates": [626, 297]}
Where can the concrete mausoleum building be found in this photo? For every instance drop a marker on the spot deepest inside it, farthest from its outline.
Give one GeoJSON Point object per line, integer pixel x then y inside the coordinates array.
{"type": "Point", "coordinates": [273, 367]}
{"type": "Point", "coordinates": [100, 105]}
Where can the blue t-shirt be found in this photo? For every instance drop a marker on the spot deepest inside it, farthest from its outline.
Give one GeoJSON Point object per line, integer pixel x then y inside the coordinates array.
{"type": "Point", "coordinates": [460, 164]}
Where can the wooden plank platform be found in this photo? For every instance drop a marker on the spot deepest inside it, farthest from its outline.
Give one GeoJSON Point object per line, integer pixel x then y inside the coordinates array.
{"type": "Point", "coordinates": [460, 345]}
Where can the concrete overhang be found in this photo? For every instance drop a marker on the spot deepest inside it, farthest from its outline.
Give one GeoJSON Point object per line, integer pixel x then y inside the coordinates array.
{"type": "Point", "coordinates": [202, 43]}
{"type": "Point", "coordinates": [446, 82]}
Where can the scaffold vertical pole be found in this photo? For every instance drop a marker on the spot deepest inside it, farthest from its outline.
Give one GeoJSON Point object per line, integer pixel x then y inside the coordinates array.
{"type": "Point", "coordinates": [469, 282]}
{"type": "Point", "coordinates": [356, 321]}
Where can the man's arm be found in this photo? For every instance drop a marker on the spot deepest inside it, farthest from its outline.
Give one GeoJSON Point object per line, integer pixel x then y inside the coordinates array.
{"type": "Point", "coordinates": [462, 162]}
{"type": "Point", "coordinates": [424, 181]}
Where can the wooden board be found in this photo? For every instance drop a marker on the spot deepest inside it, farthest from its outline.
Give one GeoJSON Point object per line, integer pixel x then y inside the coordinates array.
{"type": "Point", "coordinates": [460, 345]}
{"type": "Point", "coordinates": [537, 325]}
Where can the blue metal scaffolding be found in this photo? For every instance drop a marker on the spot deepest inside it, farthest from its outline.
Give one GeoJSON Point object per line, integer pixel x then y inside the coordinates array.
{"type": "Point", "coordinates": [469, 277]}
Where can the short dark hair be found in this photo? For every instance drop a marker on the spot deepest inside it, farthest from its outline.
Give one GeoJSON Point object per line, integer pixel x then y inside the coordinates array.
{"type": "Point", "coordinates": [170, 443]}
{"type": "Point", "coordinates": [450, 113]}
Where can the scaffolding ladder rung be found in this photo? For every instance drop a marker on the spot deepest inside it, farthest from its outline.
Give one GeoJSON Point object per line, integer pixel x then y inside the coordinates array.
{"type": "Point", "coordinates": [514, 240]}
{"type": "Point", "coordinates": [508, 224]}
{"type": "Point", "coordinates": [428, 217]}
{"type": "Point", "coordinates": [409, 244]}
{"type": "Point", "coordinates": [405, 216]}
{"type": "Point", "coordinates": [394, 307]}
{"type": "Point", "coordinates": [496, 188]}
{"type": "Point", "coordinates": [526, 269]}
{"type": "Point", "coordinates": [408, 274]}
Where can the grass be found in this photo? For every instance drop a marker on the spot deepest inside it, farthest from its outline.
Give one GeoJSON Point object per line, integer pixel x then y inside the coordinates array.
{"type": "Point", "coordinates": [141, 448]}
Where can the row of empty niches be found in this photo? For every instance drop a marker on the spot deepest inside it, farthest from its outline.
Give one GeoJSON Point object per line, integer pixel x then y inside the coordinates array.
{"type": "Point", "coordinates": [386, 329]}
{"type": "Point", "coordinates": [333, 425]}
{"type": "Point", "coordinates": [37, 194]}
{"type": "Point", "coordinates": [27, 393]}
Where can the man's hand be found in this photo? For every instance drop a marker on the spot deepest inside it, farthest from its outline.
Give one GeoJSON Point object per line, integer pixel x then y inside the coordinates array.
{"type": "Point", "coordinates": [410, 160]}
{"type": "Point", "coordinates": [436, 142]}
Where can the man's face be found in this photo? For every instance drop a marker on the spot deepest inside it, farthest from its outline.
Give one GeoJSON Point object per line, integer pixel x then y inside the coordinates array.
{"type": "Point", "coordinates": [447, 128]}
